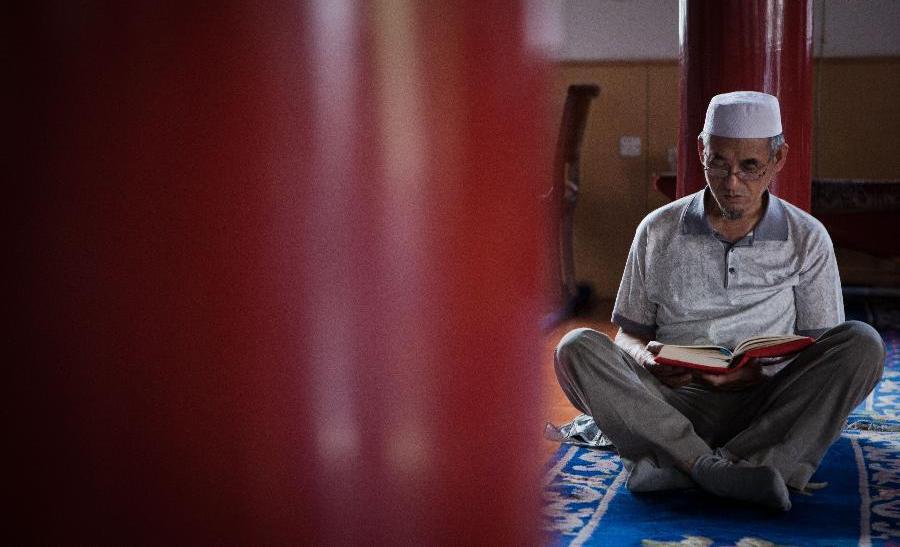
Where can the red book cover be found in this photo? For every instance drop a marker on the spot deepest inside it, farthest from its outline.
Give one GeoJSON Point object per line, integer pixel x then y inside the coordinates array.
{"type": "Point", "coordinates": [738, 360]}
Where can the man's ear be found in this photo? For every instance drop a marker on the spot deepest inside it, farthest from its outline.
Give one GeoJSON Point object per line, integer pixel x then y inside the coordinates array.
{"type": "Point", "coordinates": [780, 157]}
{"type": "Point", "coordinates": [700, 149]}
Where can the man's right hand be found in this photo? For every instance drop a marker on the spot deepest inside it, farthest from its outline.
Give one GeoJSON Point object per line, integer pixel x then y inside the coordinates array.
{"type": "Point", "coordinates": [674, 377]}
{"type": "Point", "coordinates": [644, 351]}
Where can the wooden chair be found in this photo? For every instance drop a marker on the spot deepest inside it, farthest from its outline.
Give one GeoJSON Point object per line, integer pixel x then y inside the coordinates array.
{"type": "Point", "coordinates": [563, 194]}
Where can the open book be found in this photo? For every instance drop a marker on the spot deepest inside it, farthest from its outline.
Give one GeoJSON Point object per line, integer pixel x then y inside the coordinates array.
{"type": "Point", "coordinates": [716, 359]}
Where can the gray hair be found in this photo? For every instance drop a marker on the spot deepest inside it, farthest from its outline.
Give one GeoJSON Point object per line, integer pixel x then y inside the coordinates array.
{"type": "Point", "coordinates": [775, 142]}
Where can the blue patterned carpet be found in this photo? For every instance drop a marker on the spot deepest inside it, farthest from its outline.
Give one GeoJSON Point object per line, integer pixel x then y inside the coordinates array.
{"type": "Point", "coordinates": [586, 503]}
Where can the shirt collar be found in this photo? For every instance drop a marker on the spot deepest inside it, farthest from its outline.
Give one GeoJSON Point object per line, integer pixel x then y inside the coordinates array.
{"type": "Point", "coordinates": [773, 225]}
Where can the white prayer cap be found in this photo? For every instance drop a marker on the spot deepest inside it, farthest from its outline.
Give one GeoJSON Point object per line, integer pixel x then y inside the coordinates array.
{"type": "Point", "coordinates": [743, 115]}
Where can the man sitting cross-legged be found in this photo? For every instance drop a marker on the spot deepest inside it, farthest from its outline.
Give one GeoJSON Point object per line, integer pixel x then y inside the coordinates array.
{"type": "Point", "coordinates": [723, 264]}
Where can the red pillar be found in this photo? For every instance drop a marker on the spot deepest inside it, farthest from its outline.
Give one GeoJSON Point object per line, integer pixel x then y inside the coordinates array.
{"type": "Point", "coordinates": [280, 273]}
{"type": "Point", "coordinates": [755, 45]}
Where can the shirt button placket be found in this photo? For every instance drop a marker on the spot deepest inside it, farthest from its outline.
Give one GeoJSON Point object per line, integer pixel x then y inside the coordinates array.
{"type": "Point", "coordinates": [729, 271]}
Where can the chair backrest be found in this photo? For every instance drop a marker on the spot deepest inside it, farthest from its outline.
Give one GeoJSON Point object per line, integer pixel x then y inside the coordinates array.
{"type": "Point", "coordinates": [567, 180]}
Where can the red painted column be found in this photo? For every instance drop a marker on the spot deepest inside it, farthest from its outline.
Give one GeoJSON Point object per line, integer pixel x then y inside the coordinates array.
{"type": "Point", "coordinates": [279, 273]}
{"type": "Point", "coordinates": [755, 45]}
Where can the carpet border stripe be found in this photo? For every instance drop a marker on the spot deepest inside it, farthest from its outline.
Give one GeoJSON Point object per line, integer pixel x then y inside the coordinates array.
{"type": "Point", "coordinates": [865, 502]}
{"type": "Point", "coordinates": [588, 530]}
{"type": "Point", "coordinates": [554, 471]}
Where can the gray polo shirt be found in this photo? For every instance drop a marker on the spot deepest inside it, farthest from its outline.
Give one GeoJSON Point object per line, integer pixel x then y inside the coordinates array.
{"type": "Point", "coordinates": [683, 284]}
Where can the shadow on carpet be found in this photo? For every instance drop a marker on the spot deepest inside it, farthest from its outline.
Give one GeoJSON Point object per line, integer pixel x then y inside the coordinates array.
{"type": "Point", "coordinates": [586, 503]}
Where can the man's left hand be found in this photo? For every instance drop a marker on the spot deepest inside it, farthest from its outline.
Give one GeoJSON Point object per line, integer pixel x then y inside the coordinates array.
{"type": "Point", "coordinates": [745, 377]}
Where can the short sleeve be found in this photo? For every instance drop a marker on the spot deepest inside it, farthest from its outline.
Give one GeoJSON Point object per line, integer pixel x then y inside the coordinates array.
{"type": "Point", "coordinates": [633, 310]}
{"type": "Point", "coordinates": [817, 295]}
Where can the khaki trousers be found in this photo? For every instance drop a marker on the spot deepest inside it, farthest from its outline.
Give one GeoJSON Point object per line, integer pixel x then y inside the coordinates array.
{"type": "Point", "coordinates": [787, 422]}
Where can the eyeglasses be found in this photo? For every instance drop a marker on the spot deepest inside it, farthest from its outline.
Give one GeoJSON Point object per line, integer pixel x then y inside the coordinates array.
{"type": "Point", "coordinates": [719, 173]}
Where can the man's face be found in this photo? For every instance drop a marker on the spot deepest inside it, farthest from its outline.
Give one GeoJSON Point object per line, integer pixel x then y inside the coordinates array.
{"type": "Point", "coordinates": [738, 171]}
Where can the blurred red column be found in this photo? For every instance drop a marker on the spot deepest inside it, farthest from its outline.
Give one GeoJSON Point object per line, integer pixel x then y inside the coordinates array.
{"type": "Point", "coordinates": [756, 45]}
{"type": "Point", "coordinates": [279, 272]}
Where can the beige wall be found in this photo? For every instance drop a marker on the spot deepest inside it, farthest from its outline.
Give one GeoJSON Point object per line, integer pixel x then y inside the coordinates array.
{"type": "Point", "coordinates": [857, 118]}
{"type": "Point", "coordinates": [855, 135]}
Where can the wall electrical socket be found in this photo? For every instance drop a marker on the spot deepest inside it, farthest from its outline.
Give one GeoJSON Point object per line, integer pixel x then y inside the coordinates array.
{"type": "Point", "coordinates": [629, 146]}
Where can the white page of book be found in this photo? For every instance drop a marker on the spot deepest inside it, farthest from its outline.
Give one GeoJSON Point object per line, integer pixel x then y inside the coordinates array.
{"type": "Point", "coordinates": [763, 341]}
{"type": "Point", "coordinates": [710, 356]}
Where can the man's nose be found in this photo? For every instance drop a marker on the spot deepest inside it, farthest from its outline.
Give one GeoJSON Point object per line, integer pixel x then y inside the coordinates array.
{"type": "Point", "coordinates": [732, 180]}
